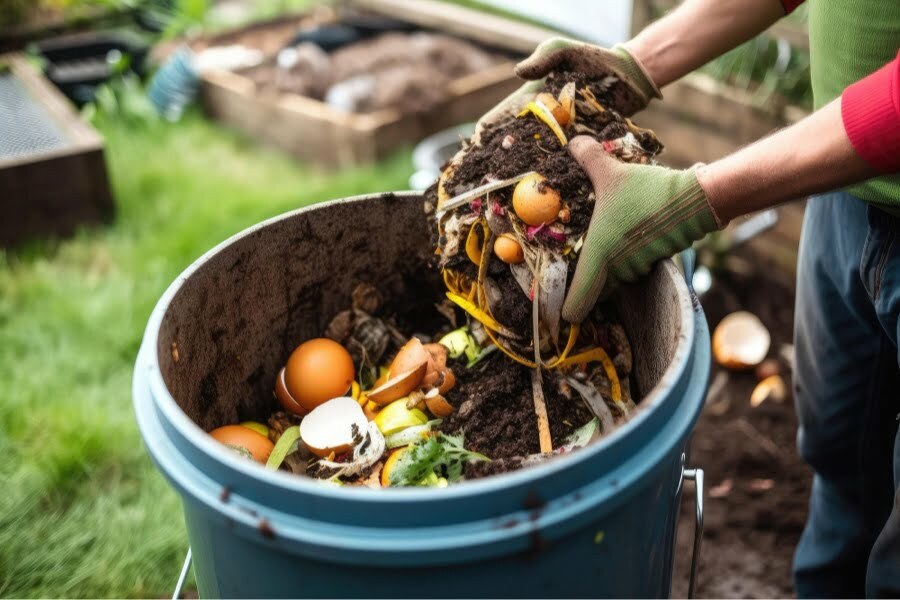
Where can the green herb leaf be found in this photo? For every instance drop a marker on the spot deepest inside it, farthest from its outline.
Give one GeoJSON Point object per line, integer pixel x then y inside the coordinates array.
{"type": "Point", "coordinates": [428, 461]}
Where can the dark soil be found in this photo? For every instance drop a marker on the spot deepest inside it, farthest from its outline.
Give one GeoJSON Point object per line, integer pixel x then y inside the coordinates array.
{"type": "Point", "coordinates": [495, 411]}
{"type": "Point", "coordinates": [527, 144]}
{"type": "Point", "coordinates": [757, 487]}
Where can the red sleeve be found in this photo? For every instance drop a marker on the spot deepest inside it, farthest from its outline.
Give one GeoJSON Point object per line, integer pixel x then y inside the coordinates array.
{"type": "Point", "coordinates": [790, 5]}
{"type": "Point", "coordinates": [870, 109]}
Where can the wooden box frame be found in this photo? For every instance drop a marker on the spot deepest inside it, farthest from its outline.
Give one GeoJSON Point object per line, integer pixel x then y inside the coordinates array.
{"type": "Point", "coordinates": [312, 131]}
{"type": "Point", "coordinates": [52, 192]}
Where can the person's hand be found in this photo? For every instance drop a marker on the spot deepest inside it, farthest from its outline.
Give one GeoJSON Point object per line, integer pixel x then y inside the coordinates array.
{"type": "Point", "coordinates": [507, 109]}
{"type": "Point", "coordinates": [642, 213]}
{"type": "Point", "coordinates": [563, 54]}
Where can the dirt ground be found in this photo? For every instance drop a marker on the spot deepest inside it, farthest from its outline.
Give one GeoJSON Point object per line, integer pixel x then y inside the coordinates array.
{"type": "Point", "coordinates": [757, 487]}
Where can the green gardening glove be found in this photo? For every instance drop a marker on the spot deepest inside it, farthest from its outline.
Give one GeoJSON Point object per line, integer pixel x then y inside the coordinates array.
{"type": "Point", "coordinates": [563, 54]}
{"type": "Point", "coordinates": [642, 213]}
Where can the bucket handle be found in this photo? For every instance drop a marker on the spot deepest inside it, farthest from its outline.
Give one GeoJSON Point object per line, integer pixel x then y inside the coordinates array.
{"type": "Point", "coordinates": [185, 569]}
{"type": "Point", "coordinates": [697, 476]}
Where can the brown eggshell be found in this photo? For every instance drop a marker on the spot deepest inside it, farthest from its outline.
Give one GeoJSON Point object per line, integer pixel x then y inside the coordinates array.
{"type": "Point", "coordinates": [438, 406]}
{"type": "Point", "coordinates": [398, 386]}
{"type": "Point", "coordinates": [448, 383]}
{"type": "Point", "coordinates": [317, 371]}
{"type": "Point", "coordinates": [259, 446]}
{"type": "Point", "coordinates": [437, 364]}
{"type": "Point", "coordinates": [410, 356]}
{"type": "Point", "coordinates": [284, 396]}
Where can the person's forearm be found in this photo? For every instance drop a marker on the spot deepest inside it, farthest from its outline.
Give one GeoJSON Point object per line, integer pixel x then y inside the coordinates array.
{"type": "Point", "coordinates": [810, 157]}
{"type": "Point", "coordinates": [697, 32]}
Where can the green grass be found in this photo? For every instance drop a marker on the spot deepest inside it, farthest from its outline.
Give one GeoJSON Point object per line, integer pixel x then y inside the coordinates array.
{"type": "Point", "coordinates": [83, 512]}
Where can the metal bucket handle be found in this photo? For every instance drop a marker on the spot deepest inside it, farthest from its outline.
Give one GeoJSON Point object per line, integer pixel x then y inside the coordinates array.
{"type": "Point", "coordinates": [688, 262]}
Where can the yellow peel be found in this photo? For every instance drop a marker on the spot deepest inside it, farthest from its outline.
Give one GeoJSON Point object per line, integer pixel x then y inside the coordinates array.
{"type": "Point", "coordinates": [473, 244]}
{"type": "Point", "coordinates": [574, 329]}
{"type": "Point", "coordinates": [543, 113]}
{"type": "Point", "coordinates": [519, 359]}
{"type": "Point", "coordinates": [478, 314]}
{"type": "Point", "coordinates": [595, 355]}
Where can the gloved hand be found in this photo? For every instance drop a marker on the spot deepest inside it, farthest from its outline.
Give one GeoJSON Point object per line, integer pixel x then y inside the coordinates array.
{"type": "Point", "coordinates": [563, 54]}
{"type": "Point", "coordinates": [642, 213]}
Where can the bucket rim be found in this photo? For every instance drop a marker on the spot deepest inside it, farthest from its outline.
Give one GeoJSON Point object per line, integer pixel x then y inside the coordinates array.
{"type": "Point", "coordinates": [201, 441]}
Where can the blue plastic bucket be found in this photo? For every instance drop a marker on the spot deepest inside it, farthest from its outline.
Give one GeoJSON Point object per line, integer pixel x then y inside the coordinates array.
{"type": "Point", "coordinates": [599, 522]}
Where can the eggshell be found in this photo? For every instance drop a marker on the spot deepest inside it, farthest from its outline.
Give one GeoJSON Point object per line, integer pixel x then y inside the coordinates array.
{"type": "Point", "coordinates": [258, 445]}
{"type": "Point", "coordinates": [410, 356]}
{"type": "Point", "coordinates": [285, 398]}
{"type": "Point", "coordinates": [329, 427]}
{"type": "Point", "coordinates": [398, 386]}
{"type": "Point", "coordinates": [317, 371]}
{"type": "Point", "coordinates": [740, 341]}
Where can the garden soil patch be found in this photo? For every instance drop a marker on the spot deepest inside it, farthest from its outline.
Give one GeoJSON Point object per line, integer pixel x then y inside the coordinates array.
{"type": "Point", "coordinates": [757, 485]}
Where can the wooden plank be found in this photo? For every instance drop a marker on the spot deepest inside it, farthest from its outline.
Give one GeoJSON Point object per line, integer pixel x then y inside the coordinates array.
{"type": "Point", "coordinates": [490, 30]}
{"type": "Point", "coordinates": [53, 192]}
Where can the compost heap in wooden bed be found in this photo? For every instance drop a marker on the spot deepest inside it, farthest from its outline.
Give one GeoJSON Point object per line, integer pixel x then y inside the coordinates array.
{"type": "Point", "coordinates": [501, 382]}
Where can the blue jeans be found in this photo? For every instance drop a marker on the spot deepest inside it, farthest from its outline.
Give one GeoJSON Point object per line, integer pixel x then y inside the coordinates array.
{"type": "Point", "coordinates": [847, 391]}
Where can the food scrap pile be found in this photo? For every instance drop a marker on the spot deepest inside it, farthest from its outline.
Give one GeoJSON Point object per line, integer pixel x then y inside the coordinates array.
{"type": "Point", "coordinates": [375, 402]}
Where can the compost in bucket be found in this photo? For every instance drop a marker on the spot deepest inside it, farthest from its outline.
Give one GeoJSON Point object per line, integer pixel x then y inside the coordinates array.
{"type": "Point", "coordinates": [499, 381]}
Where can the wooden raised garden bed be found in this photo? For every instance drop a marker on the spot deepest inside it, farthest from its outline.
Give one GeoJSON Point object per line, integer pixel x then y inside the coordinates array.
{"type": "Point", "coordinates": [312, 130]}
{"type": "Point", "coordinates": [52, 171]}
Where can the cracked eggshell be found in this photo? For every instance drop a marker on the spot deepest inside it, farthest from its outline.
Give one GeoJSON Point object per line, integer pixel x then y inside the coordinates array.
{"type": "Point", "coordinates": [330, 426]}
{"type": "Point", "coordinates": [398, 386]}
{"type": "Point", "coordinates": [740, 341]}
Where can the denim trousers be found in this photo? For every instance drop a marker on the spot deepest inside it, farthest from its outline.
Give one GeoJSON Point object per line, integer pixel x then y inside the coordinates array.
{"type": "Point", "coordinates": [847, 394]}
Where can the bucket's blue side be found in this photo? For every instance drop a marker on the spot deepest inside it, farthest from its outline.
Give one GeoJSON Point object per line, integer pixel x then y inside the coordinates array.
{"type": "Point", "coordinates": [613, 537]}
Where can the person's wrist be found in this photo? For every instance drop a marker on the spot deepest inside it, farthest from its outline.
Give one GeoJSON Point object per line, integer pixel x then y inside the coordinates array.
{"type": "Point", "coordinates": [632, 67]}
{"type": "Point", "coordinates": [709, 181]}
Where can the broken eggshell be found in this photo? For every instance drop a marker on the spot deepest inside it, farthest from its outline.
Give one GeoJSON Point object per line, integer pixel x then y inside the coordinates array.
{"type": "Point", "coordinates": [397, 386]}
{"type": "Point", "coordinates": [772, 388]}
{"type": "Point", "coordinates": [333, 426]}
{"type": "Point", "coordinates": [740, 341]}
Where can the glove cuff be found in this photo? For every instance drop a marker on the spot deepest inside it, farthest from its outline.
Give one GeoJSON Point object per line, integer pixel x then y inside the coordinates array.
{"type": "Point", "coordinates": [636, 74]}
{"type": "Point", "coordinates": [685, 218]}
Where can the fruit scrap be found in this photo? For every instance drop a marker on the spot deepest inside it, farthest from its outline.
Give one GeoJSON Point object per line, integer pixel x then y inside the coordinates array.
{"type": "Point", "coordinates": [535, 201]}
{"type": "Point", "coordinates": [540, 110]}
{"type": "Point", "coordinates": [480, 316]}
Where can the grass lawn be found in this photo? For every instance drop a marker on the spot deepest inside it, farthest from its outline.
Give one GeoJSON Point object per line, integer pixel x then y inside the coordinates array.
{"type": "Point", "coordinates": [83, 511]}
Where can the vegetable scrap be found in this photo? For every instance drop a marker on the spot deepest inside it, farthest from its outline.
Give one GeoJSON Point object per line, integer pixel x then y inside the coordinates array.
{"type": "Point", "coordinates": [520, 205]}
{"type": "Point", "coordinates": [498, 381]}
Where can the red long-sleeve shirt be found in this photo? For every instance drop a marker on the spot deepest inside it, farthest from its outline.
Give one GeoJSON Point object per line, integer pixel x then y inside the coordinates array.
{"type": "Point", "coordinates": [870, 110]}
